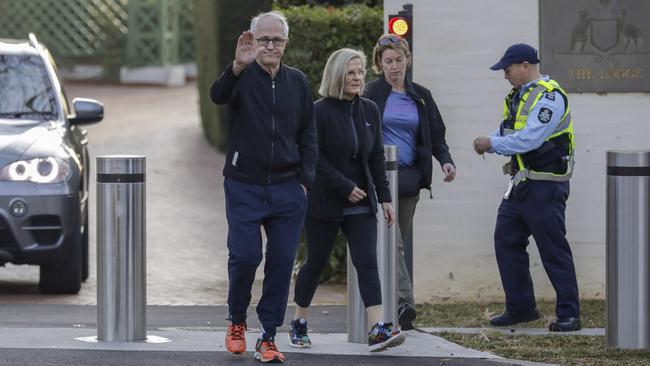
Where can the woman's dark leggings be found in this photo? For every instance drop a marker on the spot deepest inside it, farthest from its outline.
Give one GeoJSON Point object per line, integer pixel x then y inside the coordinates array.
{"type": "Point", "coordinates": [361, 233]}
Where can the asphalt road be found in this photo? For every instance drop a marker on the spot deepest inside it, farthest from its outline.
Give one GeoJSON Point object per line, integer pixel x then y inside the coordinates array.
{"type": "Point", "coordinates": [161, 358]}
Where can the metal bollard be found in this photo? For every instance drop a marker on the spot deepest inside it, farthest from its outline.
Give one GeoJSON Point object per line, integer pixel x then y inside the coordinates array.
{"type": "Point", "coordinates": [628, 249]}
{"type": "Point", "coordinates": [121, 271]}
{"type": "Point", "coordinates": [386, 261]}
{"type": "Point", "coordinates": [357, 327]}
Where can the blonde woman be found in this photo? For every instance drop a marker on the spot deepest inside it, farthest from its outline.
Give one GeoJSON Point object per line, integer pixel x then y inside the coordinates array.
{"type": "Point", "coordinates": [411, 121]}
{"type": "Point", "coordinates": [350, 183]}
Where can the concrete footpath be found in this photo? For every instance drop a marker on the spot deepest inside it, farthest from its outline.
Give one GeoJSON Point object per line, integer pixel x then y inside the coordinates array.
{"type": "Point", "coordinates": [193, 335]}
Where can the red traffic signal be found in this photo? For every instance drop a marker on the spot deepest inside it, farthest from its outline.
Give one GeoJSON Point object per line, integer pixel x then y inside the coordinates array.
{"type": "Point", "coordinates": [399, 25]}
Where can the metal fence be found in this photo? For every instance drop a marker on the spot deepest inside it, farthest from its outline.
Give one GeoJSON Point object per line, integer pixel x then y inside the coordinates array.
{"type": "Point", "coordinates": [186, 31]}
{"type": "Point", "coordinates": [85, 31]}
{"type": "Point", "coordinates": [153, 32]}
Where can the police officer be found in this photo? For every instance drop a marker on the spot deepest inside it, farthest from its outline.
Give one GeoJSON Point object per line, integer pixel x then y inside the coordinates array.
{"type": "Point", "coordinates": [537, 134]}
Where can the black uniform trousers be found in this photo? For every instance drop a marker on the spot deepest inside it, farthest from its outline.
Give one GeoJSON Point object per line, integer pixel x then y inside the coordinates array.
{"type": "Point", "coordinates": [535, 208]}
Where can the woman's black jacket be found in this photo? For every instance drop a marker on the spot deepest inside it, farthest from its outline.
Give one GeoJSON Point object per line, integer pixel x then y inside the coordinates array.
{"type": "Point", "coordinates": [331, 189]}
{"type": "Point", "coordinates": [431, 136]}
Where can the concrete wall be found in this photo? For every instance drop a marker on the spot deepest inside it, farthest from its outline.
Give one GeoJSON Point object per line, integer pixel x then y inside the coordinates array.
{"type": "Point", "coordinates": [455, 43]}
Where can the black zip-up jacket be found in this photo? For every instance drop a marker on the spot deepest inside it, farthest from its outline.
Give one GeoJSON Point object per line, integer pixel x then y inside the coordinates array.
{"type": "Point", "coordinates": [431, 136]}
{"type": "Point", "coordinates": [272, 134]}
{"type": "Point", "coordinates": [330, 194]}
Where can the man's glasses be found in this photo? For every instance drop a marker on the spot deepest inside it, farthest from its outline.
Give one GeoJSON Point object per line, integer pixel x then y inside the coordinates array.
{"type": "Point", "coordinates": [389, 40]}
{"type": "Point", "coordinates": [277, 42]}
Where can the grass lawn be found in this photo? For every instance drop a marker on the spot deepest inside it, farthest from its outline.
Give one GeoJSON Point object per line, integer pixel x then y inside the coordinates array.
{"type": "Point", "coordinates": [476, 315]}
{"type": "Point", "coordinates": [560, 349]}
{"type": "Point", "coordinates": [563, 350]}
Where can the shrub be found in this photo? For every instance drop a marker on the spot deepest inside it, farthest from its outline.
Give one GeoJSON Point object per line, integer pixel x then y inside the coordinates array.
{"type": "Point", "coordinates": [288, 3]}
{"type": "Point", "coordinates": [315, 32]}
{"type": "Point", "coordinates": [218, 24]}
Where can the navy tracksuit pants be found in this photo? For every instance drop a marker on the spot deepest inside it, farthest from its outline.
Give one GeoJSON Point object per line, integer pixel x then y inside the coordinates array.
{"type": "Point", "coordinates": [280, 210]}
{"type": "Point", "coordinates": [536, 208]}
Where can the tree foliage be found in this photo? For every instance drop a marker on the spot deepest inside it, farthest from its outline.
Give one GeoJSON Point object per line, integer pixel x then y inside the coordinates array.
{"type": "Point", "coordinates": [218, 24]}
{"type": "Point", "coordinates": [335, 3]}
{"type": "Point", "coordinates": [315, 32]}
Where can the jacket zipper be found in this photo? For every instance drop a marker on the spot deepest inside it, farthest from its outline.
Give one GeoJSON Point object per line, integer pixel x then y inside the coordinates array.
{"type": "Point", "coordinates": [272, 130]}
{"type": "Point", "coordinates": [355, 137]}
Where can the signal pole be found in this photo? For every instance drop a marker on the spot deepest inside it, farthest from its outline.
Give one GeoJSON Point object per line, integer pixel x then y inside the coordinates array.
{"type": "Point", "coordinates": [401, 24]}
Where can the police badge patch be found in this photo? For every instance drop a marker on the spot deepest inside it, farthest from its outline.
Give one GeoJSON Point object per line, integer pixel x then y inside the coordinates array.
{"type": "Point", "coordinates": [545, 115]}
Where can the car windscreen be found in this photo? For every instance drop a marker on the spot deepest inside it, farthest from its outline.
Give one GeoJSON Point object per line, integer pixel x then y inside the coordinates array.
{"type": "Point", "coordinates": [25, 89]}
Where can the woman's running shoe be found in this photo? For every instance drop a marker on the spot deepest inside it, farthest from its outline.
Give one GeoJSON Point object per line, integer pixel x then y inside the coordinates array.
{"type": "Point", "coordinates": [298, 336]}
{"type": "Point", "coordinates": [382, 336]}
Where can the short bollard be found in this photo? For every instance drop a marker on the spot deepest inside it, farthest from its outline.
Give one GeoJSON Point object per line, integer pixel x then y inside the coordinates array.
{"type": "Point", "coordinates": [628, 249]}
{"type": "Point", "coordinates": [386, 261]}
{"type": "Point", "coordinates": [121, 270]}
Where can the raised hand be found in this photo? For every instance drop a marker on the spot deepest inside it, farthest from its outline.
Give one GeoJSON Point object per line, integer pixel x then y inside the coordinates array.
{"type": "Point", "coordinates": [246, 52]}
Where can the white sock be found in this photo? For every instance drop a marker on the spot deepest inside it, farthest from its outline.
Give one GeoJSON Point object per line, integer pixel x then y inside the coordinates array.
{"type": "Point", "coordinates": [373, 314]}
{"type": "Point", "coordinates": [301, 313]}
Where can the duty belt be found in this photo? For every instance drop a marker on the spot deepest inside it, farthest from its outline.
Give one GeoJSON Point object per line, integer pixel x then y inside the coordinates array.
{"type": "Point", "coordinates": [522, 175]}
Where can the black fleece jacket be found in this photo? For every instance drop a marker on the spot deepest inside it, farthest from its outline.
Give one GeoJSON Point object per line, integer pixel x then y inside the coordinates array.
{"type": "Point", "coordinates": [271, 135]}
{"type": "Point", "coordinates": [336, 147]}
{"type": "Point", "coordinates": [431, 130]}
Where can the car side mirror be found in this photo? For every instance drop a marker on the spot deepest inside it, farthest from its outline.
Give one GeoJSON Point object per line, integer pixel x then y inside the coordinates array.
{"type": "Point", "coordinates": [86, 111]}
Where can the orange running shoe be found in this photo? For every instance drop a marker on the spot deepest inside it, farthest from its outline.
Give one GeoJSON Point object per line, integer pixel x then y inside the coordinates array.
{"type": "Point", "coordinates": [236, 338]}
{"type": "Point", "coordinates": [267, 352]}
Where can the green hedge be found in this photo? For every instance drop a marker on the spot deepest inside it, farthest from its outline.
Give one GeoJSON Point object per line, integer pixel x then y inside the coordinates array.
{"type": "Point", "coordinates": [288, 3]}
{"type": "Point", "coordinates": [218, 24]}
{"type": "Point", "coordinates": [315, 32]}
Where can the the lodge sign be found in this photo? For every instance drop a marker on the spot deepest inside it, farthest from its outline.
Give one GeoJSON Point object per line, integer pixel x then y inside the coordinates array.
{"type": "Point", "coordinates": [596, 45]}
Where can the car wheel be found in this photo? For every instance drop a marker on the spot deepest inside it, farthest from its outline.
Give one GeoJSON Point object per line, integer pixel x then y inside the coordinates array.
{"type": "Point", "coordinates": [63, 278]}
{"type": "Point", "coordinates": [84, 249]}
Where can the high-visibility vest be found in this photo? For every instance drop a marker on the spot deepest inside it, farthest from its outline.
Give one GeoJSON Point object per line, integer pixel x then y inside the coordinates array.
{"type": "Point", "coordinates": [563, 132]}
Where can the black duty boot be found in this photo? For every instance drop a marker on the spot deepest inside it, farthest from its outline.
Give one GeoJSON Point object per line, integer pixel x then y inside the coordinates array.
{"type": "Point", "coordinates": [565, 325]}
{"type": "Point", "coordinates": [405, 316]}
{"type": "Point", "coordinates": [506, 318]}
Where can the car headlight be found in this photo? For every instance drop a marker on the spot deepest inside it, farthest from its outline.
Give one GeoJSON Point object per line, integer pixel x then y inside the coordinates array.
{"type": "Point", "coordinates": [39, 170]}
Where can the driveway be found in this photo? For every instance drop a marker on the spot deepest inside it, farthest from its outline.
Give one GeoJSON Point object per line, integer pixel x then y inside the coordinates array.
{"type": "Point", "coordinates": [186, 224]}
